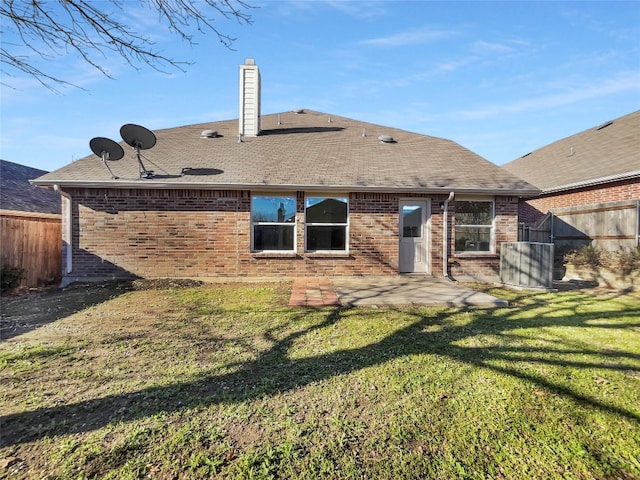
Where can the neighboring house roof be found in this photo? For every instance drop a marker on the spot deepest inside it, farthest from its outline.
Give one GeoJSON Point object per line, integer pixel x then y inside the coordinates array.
{"type": "Point", "coordinates": [299, 151]}
{"type": "Point", "coordinates": [602, 154]}
{"type": "Point", "coordinates": [16, 193]}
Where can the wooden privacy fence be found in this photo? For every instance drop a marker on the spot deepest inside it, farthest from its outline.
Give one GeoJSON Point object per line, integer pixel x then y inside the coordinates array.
{"type": "Point", "coordinates": [32, 242]}
{"type": "Point", "coordinates": [610, 226]}
{"type": "Point", "coordinates": [539, 232]}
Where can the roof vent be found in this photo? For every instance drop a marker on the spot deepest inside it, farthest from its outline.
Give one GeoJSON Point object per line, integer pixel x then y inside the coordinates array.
{"type": "Point", "coordinates": [208, 134]}
{"type": "Point", "coordinates": [298, 110]}
{"type": "Point", "coordinates": [604, 125]}
{"type": "Point", "coordinates": [386, 139]}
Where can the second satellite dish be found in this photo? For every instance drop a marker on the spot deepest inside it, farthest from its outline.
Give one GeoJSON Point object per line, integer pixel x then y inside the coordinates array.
{"type": "Point", "coordinates": [106, 149]}
{"type": "Point", "coordinates": [139, 138]}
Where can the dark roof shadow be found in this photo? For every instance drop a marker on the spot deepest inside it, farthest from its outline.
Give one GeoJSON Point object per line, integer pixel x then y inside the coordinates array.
{"type": "Point", "coordinates": [284, 131]}
{"type": "Point", "coordinates": [201, 171]}
{"type": "Point", "coordinates": [163, 176]}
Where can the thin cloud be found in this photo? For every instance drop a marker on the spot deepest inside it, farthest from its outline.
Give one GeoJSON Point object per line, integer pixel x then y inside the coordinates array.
{"type": "Point", "coordinates": [359, 9]}
{"type": "Point", "coordinates": [443, 68]}
{"type": "Point", "coordinates": [491, 48]}
{"type": "Point", "coordinates": [621, 83]}
{"type": "Point", "coordinates": [288, 8]}
{"type": "Point", "coordinates": [416, 37]}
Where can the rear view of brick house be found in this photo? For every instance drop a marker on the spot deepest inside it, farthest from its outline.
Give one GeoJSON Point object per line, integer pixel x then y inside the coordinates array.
{"type": "Point", "coordinates": [297, 193]}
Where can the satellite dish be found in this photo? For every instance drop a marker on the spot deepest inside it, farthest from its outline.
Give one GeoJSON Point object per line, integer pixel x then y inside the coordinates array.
{"type": "Point", "coordinates": [139, 138]}
{"type": "Point", "coordinates": [106, 149]}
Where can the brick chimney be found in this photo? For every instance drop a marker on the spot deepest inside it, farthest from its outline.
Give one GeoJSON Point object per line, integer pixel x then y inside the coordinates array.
{"type": "Point", "coordinates": [249, 116]}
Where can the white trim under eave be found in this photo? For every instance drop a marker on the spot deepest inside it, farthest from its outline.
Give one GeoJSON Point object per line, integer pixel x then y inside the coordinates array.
{"type": "Point", "coordinates": [151, 184]}
{"type": "Point", "coordinates": [593, 182]}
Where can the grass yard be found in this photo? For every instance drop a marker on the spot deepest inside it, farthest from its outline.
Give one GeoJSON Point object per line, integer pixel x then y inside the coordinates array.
{"type": "Point", "coordinates": [226, 381]}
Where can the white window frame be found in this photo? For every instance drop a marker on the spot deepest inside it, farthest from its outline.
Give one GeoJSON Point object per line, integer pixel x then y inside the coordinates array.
{"type": "Point", "coordinates": [287, 224]}
{"type": "Point", "coordinates": [316, 224]}
{"type": "Point", "coordinates": [492, 226]}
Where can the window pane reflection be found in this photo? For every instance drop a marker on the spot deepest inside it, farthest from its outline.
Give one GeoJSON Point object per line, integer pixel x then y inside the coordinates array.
{"type": "Point", "coordinates": [411, 221]}
{"type": "Point", "coordinates": [273, 209]}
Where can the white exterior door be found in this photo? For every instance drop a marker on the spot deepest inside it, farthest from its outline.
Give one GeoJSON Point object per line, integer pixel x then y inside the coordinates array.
{"type": "Point", "coordinates": [413, 236]}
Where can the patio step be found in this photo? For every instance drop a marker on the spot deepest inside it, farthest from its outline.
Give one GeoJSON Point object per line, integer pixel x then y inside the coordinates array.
{"type": "Point", "coordinates": [313, 292]}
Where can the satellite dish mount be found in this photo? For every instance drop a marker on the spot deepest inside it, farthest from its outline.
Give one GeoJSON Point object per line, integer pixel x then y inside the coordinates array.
{"type": "Point", "coordinates": [139, 138]}
{"type": "Point", "coordinates": [107, 150]}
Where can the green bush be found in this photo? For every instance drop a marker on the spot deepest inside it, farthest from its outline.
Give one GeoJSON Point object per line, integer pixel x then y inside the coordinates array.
{"type": "Point", "coordinates": [10, 277]}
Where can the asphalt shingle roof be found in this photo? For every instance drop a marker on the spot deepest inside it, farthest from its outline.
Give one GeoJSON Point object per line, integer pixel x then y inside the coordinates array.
{"type": "Point", "coordinates": [603, 153]}
{"type": "Point", "coordinates": [16, 193]}
{"type": "Point", "coordinates": [309, 150]}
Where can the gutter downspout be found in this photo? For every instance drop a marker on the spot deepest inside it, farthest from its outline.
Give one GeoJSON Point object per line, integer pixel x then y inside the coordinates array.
{"type": "Point", "coordinates": [68, 219]}
{"type": "Point", "coordinates": [445, 235]}
{"type": "Point", "coordinates": [638, 223]}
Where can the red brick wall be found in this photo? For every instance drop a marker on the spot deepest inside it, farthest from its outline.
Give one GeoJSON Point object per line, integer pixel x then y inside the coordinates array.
{"type": "Point", "coordinates": [531, 210]}
{"type": "Point", "coordinates": [206, 233]}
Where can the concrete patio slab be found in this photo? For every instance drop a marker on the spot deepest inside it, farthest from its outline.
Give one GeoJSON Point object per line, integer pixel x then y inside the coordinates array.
{"type": "Point", "coordinates": [409, 290]}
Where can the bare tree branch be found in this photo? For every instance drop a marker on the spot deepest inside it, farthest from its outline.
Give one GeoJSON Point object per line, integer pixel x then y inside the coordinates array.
{"type": "Point", "coordinates": [50, 29]}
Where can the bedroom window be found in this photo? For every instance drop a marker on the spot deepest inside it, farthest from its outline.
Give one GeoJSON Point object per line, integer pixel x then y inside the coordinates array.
{"type": "Point", "coordinates": [326, 224]}
{"type": "Point", "coordinates": [474, 226]}
{"type": "Point", "coordinates": [273, 223]}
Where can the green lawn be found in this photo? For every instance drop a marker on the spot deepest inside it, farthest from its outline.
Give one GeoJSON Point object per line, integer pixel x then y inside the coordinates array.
{"type": "Point", "coordinates": [226, 381]}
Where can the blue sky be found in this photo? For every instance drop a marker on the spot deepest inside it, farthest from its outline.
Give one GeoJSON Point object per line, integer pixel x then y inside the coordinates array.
{"type": "Point", "coordinates": [500, 78]}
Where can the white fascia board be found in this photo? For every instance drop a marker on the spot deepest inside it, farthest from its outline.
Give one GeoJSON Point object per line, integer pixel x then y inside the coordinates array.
{"type": "Point", "coordinates": [592, 182]}
{"type": "Point", "coordinates": [151, 184]}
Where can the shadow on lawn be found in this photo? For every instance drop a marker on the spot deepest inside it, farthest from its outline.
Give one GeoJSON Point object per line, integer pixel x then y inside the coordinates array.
{"type": "Point", "coordinates": [23, 313]}
{"type": "Point", "coordinates": [275, 372]}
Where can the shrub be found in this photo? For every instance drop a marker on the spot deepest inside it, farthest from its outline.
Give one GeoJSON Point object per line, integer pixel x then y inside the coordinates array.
{"type": "Point", "coordinates": [624, 261]}
{"type": "Point", "coordinates": [627, 261]}
{"type": "Point", "coordinates": [587, 256]}
{"type": "Point", "coordinates": [10, 277]}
